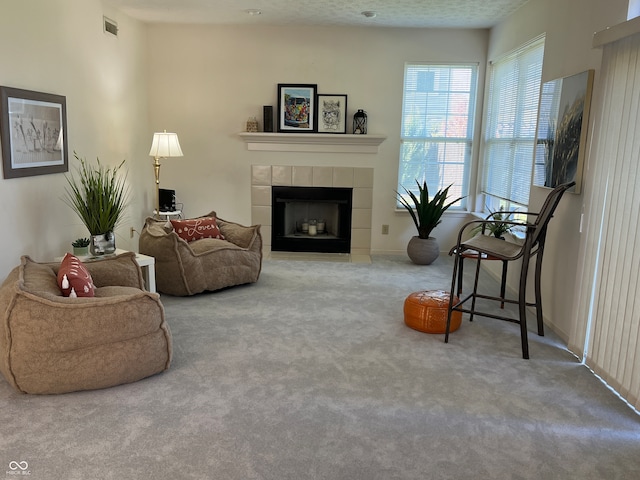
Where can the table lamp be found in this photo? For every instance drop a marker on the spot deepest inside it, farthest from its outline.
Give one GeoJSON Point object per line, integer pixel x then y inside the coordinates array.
{"type": "Point", "coordinates": [164, 145]}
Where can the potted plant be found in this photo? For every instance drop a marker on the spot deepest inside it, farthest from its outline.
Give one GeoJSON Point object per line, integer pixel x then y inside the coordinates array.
{"type": "Point", "coordinates": [80, 247]}
{"type": "Point", "coordinates": [499, 223]}
{"type": "Point", "coordinates": [99, 196]}
{"type": "Point", "coordinates": [426, 213]}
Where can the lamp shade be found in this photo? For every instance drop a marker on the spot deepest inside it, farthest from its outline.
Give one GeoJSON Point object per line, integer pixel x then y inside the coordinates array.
{"type": "Point", "coordinates": [165, 145]}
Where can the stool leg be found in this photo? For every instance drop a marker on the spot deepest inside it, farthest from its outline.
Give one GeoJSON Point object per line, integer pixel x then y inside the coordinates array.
{"type": "Point", "coordinates": [538, 289]}
{"type": "Point", "coordinates": [522, 306]}
{"type": "Point", "coordinates": [503, 285]}
{"type": "Point", "coordinates": [458, 260]}
{"type": "Point", "coordinates": [475, 289]}
{"type": "Point", "coordinates": [460, 273]}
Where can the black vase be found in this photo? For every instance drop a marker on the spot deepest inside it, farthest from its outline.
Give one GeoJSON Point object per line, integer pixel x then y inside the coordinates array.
{"type": "Point", "coordinates": [267, 121]}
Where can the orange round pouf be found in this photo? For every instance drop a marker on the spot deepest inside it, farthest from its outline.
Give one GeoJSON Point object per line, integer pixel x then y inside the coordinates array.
{"type": "Point", "coordinates": [427, 311]}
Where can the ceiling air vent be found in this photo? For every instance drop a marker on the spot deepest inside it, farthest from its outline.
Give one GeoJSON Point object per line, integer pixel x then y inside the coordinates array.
{"type": "Point", "coordinates": [110, 26]}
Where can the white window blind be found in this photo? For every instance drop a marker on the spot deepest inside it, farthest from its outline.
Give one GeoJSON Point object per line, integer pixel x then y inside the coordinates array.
{"type": "Point", "coordinates": [437, 127]}
{"type": "Point", "coordinates": [606, 323]}
{"type": "Point", "coordinates": [512, 113]}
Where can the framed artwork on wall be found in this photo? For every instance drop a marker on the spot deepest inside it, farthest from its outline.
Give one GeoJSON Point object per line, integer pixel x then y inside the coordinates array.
{"type": "Point", "coordinates": [332, 113]}
{"type": "Point", "coordinates": [296, 108]}
{"type": "Point", "coordinates": [561, 138]}
{"type": "Point", "coordinates": [33, 129]}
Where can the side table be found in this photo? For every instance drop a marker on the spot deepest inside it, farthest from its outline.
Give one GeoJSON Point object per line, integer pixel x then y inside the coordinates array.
{"type": "Point", "coordinates": [148, 266]}
{"type": "Point", "coordinates": [176, 213]}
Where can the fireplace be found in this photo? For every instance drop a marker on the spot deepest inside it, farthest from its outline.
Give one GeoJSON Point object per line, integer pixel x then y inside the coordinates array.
{"type": "Point", "coordinates": [311, 219]}
{"type": "Point", "coordinates": [358, 179]}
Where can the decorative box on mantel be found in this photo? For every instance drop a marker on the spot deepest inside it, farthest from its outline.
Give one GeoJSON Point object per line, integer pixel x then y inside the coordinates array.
{"type": "Point", "coordinates": [312, 142]}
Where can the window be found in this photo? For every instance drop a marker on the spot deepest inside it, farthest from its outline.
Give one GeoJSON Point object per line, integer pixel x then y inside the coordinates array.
{"type": "Point", "coordinates": [437, 127]}
{"type": "Point", "coordinates": [512, 113]}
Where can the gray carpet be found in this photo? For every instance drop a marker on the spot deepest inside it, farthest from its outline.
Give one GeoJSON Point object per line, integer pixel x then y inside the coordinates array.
{"type": "Point", "coordinates": [312, 374]}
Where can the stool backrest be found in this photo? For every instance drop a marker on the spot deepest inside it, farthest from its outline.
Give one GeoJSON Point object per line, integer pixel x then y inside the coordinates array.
{"type": "Point", "coordinates": [547, 210]}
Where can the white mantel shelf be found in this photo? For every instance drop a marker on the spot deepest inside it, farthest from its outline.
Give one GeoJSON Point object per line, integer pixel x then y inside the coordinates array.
{"type": "Point", "coordinates": [312, 142]}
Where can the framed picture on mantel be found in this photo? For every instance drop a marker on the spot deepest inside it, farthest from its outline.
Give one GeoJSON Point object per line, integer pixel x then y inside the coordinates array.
{"type": "Point", "coordinates": [296, 108]}
{"type": "Point", "coordinates": [332, 113]}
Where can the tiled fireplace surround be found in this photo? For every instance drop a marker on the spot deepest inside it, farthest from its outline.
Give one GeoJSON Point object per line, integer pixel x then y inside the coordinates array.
{"type": "Point", "coordinates": [360, 179]}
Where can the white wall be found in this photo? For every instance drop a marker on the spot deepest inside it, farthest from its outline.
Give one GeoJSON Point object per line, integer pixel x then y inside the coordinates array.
{"type": "Point", "coordinates": [569, 26]}
{"type": "Point", "coordinates": [58, 46]}
{"type": "Point", "coordinates": [205, 81]}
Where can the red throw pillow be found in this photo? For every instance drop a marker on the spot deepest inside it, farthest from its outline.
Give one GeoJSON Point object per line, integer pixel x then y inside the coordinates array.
{"type": "Point", "coordinates": [74, 279]}
{"type": "Point", "coordinates": [197, 228]}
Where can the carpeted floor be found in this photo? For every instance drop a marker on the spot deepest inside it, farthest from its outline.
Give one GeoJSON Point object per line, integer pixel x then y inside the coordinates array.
{"type": "Point", "coordinates": [312, 374]}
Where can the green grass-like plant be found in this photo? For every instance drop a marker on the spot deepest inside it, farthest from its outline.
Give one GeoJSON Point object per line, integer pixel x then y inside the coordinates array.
{"type": "Point", "coordinates": [99, 195]}
{"type": "Point", "coordinates": [426, 214]}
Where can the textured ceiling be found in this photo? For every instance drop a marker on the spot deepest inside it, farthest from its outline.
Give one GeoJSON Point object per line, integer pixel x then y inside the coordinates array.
{"type": "Point", "coordinates": [390, 13]}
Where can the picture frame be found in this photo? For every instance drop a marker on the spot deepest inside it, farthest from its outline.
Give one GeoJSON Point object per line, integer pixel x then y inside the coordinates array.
{"type": "Point", "coordinates": [561, 133]}
{"type": "Point", "coordinates": [33, 130]}
{"type": "Point", "coordinates": [296, 108]}
{"type": "Point", "coordinates": [331, 113]}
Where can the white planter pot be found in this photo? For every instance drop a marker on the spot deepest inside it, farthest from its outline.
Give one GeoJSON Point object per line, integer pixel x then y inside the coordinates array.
{"type": "Point", "coordinates": [81, 251]}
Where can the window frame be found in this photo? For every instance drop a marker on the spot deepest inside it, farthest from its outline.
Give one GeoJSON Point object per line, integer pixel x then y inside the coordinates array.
{"type": "Point", "coordinates": [524, 127]}
{"type": "Point", "coordinates": [464, 143]}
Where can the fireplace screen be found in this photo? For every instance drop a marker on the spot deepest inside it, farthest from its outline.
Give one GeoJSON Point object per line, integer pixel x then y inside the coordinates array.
{"type": "Point", "coordinates": [311, 219]}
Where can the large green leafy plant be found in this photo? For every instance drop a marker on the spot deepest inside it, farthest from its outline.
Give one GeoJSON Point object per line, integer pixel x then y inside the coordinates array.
{"type": "Point", "coordinates": [99, 195]}
{"type": "Point", "coordinates": [426, 214]}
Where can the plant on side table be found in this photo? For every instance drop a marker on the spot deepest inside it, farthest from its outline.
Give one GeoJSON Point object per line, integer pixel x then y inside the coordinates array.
{"type": "Point", "coordinates": [80, 247]}
{"type": "Point", "coordinates": [99, 196]}
{"type": "Point", "coordinates": [423, 249]}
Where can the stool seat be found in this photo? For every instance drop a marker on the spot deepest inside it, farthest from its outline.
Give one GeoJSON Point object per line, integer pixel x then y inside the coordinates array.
{"type": "Point", "coordinates": [426, 311]}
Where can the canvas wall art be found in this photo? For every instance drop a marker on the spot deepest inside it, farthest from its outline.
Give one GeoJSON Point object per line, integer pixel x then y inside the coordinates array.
{"type": "Point", "coordinates": [561, 138]}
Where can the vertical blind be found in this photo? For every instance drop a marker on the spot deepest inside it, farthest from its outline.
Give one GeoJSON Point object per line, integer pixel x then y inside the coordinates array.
{"type": "Point", "coordinates": [512, 114]}
{"type": "Point", "coordinates": [437, 126]}
{"type": "Point", "coordinates": [606, 326]}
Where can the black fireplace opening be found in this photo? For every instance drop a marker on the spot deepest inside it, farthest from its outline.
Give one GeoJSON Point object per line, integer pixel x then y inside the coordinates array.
{"type": "Point", "coordinates": [311, 219]}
